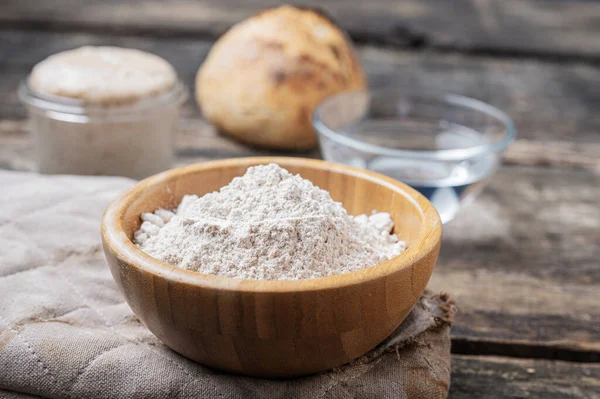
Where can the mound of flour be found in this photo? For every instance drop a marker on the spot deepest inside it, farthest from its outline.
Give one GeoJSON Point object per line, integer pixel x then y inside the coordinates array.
{"type": "Point", "coordinates": [267, 225]}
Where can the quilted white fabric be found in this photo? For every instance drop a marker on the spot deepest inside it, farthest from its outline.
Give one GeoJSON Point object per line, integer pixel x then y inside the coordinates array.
{"type": "Point", "coordinates": [66, 332]}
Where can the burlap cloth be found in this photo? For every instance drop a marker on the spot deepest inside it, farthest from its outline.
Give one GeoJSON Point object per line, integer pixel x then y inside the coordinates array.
{"type": "Point", "coordinates": [65, 330]}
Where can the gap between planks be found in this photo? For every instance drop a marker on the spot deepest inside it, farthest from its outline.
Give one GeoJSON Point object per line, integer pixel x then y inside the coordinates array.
{"type": "Point", "coordinates": [523, 350]}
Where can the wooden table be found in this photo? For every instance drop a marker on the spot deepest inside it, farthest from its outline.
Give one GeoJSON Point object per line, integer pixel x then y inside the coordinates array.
{"type": "Point", "coordinates": [523, 260]}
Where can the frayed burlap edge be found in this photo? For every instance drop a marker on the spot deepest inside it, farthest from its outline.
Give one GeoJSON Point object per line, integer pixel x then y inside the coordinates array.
{"type": "Point", "coordinates": [439, 311]}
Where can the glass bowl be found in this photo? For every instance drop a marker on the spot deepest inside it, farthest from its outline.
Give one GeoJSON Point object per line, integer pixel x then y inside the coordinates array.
{"type": "Point", "coordinates": [445, 145]}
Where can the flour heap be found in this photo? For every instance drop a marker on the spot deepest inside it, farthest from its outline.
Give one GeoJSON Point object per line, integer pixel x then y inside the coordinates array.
{"type": "Point", "coordinates": [267, 225]}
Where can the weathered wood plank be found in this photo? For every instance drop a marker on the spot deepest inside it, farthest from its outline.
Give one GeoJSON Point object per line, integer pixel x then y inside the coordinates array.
{"type": "Point", "coordinates": [554, 106]}
{"type": "Point", "coordinates": [497, 377]}
{"type": "Point", "coordinates": [555, 153]}
{"type": "Point", "coordinates": [542, 27]}
{"type": "Point", "coordinates": [523, 262]}
{"type": "Point", "coordinates": [546, 101]}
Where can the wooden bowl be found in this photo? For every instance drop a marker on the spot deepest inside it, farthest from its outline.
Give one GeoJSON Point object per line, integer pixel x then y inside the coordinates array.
{"type": "Point", "coordinates": [273, 328]}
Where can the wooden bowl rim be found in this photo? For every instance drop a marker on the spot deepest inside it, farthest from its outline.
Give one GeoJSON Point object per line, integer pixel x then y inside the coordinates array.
{"type": "Point", "coordinates": [115, 237]}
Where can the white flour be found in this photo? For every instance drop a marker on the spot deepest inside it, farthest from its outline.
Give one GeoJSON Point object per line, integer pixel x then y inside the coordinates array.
{"type": "Point", "coordinates": [267, 225]}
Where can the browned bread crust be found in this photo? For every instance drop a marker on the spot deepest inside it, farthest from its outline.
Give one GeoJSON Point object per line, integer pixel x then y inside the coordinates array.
{"type": "Point", "coordinates": [263, 78]}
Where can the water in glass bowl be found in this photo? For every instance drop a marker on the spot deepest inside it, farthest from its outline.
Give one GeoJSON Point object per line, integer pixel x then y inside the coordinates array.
{"type": "Point", "coordinates": [447, 184]}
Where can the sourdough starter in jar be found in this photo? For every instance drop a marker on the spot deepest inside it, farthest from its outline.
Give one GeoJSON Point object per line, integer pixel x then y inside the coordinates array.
{"type": "Point", "coordinates": [103, 111]}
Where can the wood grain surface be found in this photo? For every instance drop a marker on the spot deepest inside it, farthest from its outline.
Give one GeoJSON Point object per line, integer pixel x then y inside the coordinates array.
{"type": "Point", "coordinates": [273, 328]}
{"type": "Point", "coordinates": [502, 377]}
{"type": "Point", "coordinates": [550, 28]}
{"type": "Point", "coordinates": [522, 261]}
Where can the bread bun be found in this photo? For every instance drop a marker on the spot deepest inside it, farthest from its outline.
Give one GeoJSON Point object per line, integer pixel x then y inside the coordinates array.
{"type": "Point", "coordinates": [263, 78]}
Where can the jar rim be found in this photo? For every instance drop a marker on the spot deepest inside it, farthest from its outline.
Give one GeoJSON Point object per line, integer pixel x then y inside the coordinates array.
{"type": "Point", "coordinates": [176, 95]}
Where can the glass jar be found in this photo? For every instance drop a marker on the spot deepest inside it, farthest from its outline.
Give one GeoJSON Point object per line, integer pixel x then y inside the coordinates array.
{"type": "Point", "coordinates": [133, 140]}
